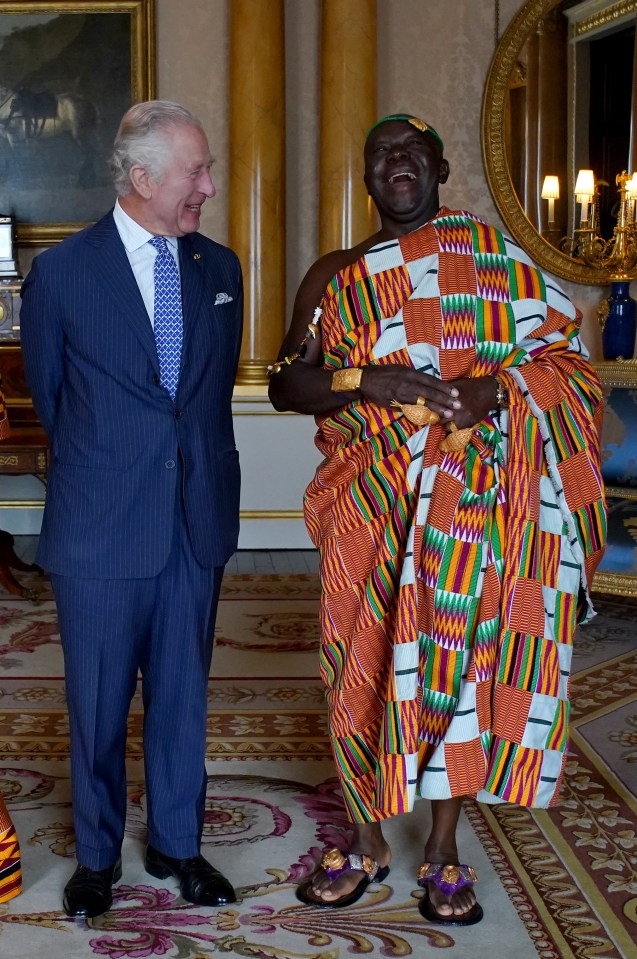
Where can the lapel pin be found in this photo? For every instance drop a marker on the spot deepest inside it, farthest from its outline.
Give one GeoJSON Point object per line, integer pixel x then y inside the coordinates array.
{"type": "Point", "coordinates": [196, 256]}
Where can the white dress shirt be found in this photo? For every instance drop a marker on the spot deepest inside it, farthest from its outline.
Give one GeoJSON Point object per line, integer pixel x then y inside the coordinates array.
{"type": "Point", "coordinates": [141, 255]}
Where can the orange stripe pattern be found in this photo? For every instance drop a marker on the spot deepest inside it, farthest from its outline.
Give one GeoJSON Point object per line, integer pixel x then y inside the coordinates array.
{"type": "Point", "coordinates": [10, 868]}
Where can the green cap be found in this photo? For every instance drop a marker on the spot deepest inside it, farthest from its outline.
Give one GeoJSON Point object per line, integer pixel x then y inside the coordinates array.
{"type": "Point", "coordinates": [415, 122]}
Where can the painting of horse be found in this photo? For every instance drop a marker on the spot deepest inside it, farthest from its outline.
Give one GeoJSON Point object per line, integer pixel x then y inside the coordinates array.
{"type": "Point", "coordinates": [68, 72]}
{"type": "Point", "coordinates": [27, 115]}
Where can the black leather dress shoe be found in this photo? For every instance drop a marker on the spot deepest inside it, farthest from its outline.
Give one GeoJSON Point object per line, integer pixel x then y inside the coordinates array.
{"type": "Point", "coordinates": [88, 891]}
{"type": "Point", "coordinates": [199, 882]}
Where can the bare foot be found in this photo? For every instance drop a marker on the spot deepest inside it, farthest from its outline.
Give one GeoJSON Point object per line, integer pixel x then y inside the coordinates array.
{"type": "Point", "coordinates": [441, 848]}
{"type": "Point", "coordinates": [461, 901]}
{"type": "Point", "coordinates": [367, 840]}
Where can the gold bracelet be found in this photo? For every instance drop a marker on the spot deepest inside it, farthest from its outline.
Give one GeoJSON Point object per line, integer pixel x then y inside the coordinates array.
{"type": "Point", "coordinates": [347, 380]}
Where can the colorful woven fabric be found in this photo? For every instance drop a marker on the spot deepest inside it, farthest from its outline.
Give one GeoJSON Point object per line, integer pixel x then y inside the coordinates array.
{"type": "Point", "coordinates": [452, 583]}
{"type": "Point", "coordinates": [10, 871]}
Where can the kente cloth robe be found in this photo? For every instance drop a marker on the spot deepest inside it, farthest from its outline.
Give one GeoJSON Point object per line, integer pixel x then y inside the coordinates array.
{"type": "Point", "coordinates": [452, 583]}
{"type": "Point", "coordinates": [10, 868]}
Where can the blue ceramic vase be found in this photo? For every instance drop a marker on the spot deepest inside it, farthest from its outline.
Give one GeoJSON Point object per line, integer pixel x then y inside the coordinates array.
{"type": "Point", "coordinates": [618, 335]}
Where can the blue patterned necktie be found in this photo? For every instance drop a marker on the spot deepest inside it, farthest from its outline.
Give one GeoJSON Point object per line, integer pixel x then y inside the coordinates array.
{"type": "Point", "coordinates": [168, 316]}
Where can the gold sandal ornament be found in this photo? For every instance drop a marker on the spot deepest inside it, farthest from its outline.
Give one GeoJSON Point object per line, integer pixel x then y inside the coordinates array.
{"type": "Point", "coordinates": [419, 414]}
{"type": "Point", "coordinates": [456, 439]}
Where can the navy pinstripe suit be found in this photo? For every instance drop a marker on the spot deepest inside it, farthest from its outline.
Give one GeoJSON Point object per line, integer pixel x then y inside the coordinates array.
{"type": "Point", "coordinates": [141, 515]}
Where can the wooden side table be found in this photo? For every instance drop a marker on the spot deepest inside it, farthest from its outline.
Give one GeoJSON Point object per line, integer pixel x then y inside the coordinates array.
{"type": "Point", "coordinates": [24, 451]}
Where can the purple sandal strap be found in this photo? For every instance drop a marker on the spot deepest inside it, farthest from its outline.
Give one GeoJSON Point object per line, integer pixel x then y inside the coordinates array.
{"type": "Point", "coordinates": [335, 863]}
{"type": "Point", "coordinates": [449, 878]}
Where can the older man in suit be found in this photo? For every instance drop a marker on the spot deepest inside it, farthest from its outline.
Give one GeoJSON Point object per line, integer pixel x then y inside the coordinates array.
{"type": "Point", "coordinates": [131, 332]}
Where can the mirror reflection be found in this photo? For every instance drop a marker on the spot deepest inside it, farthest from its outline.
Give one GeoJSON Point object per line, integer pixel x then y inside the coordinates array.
{"type": "Point", "coordinates": [569, 122]}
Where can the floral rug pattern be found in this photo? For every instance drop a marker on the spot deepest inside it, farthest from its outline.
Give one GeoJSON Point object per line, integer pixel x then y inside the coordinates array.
{"type": "Point", "coordinates": [557, 884]}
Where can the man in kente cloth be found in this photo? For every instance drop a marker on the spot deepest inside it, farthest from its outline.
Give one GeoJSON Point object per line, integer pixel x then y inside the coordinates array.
{"type": "Point", "coordinates": [459, 514]}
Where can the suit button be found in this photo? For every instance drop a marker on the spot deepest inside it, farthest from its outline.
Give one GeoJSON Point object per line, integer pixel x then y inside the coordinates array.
{"type": "Point", "coordinates": [169, 464]}
{"type": "Point", "coordinates": [156, 379]}
{"type": "Point", "coordinates": [177, 414]}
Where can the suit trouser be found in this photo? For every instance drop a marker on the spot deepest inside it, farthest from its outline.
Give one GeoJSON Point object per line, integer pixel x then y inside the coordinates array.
{"type": "Point", "coordinates": [162, 626]}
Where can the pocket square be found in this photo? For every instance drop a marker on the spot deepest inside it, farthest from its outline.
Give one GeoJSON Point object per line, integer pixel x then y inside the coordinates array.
{"type": "Point", "coordinates": [222, 298]}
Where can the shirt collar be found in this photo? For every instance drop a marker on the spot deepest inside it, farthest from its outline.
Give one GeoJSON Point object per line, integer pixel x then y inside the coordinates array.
{"type": "Point", "coordinates": [133, 235]}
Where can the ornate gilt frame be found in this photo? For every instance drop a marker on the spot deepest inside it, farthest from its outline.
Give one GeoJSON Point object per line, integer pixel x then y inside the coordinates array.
{"type": "Point", "coordinates": [142, 72]}
{"type": "Point", "coordinates": [617, 374]}
{"type": "Point", "coordinates": [494, 151]}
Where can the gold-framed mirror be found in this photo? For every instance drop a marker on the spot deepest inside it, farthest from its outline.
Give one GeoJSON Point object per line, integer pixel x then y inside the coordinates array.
{"type": "Point", "coordinates": [552, 40]}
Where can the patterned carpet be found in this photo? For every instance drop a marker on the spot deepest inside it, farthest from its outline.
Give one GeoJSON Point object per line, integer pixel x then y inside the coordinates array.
{"type": "Point", "coordinates": [556, 884]}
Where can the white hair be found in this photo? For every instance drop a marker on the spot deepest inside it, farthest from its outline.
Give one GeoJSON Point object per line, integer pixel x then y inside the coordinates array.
{"type": "Point", "coordinates": [142, 140]}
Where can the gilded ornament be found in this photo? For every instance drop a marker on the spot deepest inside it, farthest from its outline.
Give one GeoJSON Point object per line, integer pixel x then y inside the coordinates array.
{"type": "Point", "coordinates": [311, 332]}
{"type": "Point", "coordinates": [344, 381]}
{"type": "Point", "coordinates": [419, 124]}
{"type": "Point", "coordinates": [419, 414]}
{"type": "Point", "coordinates": [450, 874]}
{"type": "Point", "coordinates": [333, 859]}
{"type": "Point", "coordinates": [369, 864]}
{"type": "Point", "coordinates": [456, 439]}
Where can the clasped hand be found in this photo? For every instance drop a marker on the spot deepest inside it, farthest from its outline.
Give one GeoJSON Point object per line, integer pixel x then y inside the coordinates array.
{"type": "Point", "coordinates": [465, 401]}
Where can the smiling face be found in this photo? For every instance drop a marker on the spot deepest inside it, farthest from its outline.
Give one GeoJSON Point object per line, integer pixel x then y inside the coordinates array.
{"type": "Point", "coordinates": [171, 204]}
{"type": "Point", "coordinates": [403, 169]}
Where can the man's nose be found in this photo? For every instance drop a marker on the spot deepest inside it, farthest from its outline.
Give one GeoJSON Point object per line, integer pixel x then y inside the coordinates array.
{"type": "Point", "coordinates": [397, 152]}
{"type": "Point", "coordinates": [207, 186]}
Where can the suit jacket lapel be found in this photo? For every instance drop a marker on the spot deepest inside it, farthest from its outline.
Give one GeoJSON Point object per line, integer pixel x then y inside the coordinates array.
{"type": "Point", "coordinates": [114, 272]}
{"type": "Point", "coordinates": [192, 284]}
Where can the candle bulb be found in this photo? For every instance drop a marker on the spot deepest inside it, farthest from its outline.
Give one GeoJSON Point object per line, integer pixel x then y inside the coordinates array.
{"type": "Point", "coordinates": [584, 192]}
{"type": "Point", "coordinates": [551, 192]}
{"type": "Point", "coordinates": [631, 197]}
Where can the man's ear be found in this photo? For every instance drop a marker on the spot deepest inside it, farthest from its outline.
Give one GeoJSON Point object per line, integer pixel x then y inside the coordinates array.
{"type": "Point", "coordinates": [141, 182]}
{"type": "Point", "coordinates": [443, 172]}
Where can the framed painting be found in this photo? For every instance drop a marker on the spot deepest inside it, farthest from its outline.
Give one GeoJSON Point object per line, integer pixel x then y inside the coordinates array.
{"type": "Point", "coordinates": [69, 69]}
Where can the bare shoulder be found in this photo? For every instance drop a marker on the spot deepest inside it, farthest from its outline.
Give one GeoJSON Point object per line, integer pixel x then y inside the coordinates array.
{"type": "Point", "coordinates": [310, 294]}
{"type": "Point", "coordinates": [325, 269]}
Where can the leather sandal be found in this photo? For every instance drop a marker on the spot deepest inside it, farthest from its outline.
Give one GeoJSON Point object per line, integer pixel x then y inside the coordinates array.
{"type": "Point", "coordinates": [335, 864]}
{"type": "Point", "coordinates": [448, 878]}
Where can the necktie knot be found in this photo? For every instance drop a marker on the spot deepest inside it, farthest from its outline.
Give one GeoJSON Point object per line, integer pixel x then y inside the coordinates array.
{"type": "Point", "coordinates": [160, 244]}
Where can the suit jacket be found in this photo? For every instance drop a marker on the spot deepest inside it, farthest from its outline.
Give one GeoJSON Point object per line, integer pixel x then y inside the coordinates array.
{"type": "Point", "coordinates": [119, 443]}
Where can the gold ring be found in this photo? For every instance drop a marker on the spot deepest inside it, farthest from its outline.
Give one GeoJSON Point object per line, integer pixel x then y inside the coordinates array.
{"type": "Point", "coordinates": [417, 413]}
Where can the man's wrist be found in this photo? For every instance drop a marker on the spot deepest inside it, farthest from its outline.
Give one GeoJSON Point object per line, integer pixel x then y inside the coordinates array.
{"type": "Point", "coordinates": [347, 380]}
